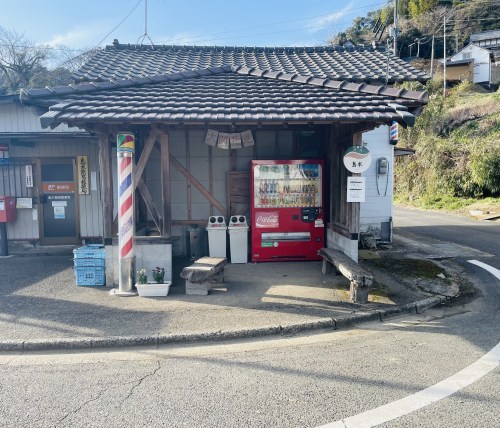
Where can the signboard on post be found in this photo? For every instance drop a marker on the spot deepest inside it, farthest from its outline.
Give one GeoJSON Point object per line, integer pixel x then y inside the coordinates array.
{"type": "Point", "coordinates": [82, 165]}
{"type": "Point", "coordinates": [356, 189]}
{"type": "Point", "coordinates": [29, 175]}
{"type": "Point", "coordinates": [357, 159]}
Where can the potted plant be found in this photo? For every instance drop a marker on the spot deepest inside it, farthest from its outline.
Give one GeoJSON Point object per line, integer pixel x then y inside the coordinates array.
{"type": "Point", "coordinates": [157, 288]}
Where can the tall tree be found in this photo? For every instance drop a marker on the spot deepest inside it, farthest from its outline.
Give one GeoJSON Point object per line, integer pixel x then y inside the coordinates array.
{"type": "Point", "coordinates": [19, 58]}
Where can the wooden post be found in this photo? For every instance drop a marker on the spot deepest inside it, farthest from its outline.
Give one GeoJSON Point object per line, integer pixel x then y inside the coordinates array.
{"type": "Point", "coordinates": [106, 182]}
{"type": "Point", "coordinates": [166, 227]}
{"type": "Point", "coordinates": [354, 220]}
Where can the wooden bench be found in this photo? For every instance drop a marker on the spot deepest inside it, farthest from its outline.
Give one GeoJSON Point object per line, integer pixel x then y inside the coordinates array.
{"type": "Point", "coordinates": [360, 279]}
{"type": "Point", "coordinates": [203, 274]}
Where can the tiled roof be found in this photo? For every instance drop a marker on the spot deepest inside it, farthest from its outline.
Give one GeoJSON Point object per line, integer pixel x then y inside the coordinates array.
{"type": "Point", "coordinates": [485, 35]}
{"type": "Point", "coordinates": [226, 95]}
{"type": "Point", "coordinates": [459, 62]}
{"type": "Point", "coordinates": [359, 64]}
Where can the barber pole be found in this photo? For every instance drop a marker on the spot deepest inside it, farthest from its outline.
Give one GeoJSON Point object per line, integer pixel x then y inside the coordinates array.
{"type": "Point", "coordinates": [126, 221]}
{"type": "Point", "coordinates": [393, 134]}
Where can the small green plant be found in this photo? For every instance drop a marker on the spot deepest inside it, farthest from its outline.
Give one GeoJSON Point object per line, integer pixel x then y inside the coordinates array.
{"type": "Point", "coordinates": [142, 277]}
{"type": "Point", "coordinates": [159, 275]}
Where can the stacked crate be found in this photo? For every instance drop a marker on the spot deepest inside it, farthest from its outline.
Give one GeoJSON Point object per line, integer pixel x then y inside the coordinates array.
{"type": "Point", "coordinates": [90, 265]}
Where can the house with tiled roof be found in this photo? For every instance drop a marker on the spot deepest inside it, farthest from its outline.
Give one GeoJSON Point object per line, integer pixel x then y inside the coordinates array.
{"type": "Point", "coordinates": [276, 104]}
{"type": "Point", "coordinates": [479, 61]}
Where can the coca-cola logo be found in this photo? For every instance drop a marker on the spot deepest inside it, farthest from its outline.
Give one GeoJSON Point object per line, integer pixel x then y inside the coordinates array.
{"type": "Point", "coordinates": [267, 219]}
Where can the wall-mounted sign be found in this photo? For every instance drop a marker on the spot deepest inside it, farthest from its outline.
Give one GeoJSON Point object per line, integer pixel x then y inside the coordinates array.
{"type": "Point", "coordinates": [59, 213]}
{"type": "Point", "coordinates": [24, 203]}
{"type": "Point", "coordinates": [58, 187]}
{"type": "Point", "coordinates": [29, 175]}
{"type": "Point", "coordinates": [93, 180]}
{"type": "Point", "coordinates": [235, 140]}
{"type": "Point", "coordinates": [82, 165]}
{"type": "Point", "coordinates": [4, 154]}
{"type": "Point", "coordinates": [357, 159]}
{"type": "Point", "coordinates": [356, 189]}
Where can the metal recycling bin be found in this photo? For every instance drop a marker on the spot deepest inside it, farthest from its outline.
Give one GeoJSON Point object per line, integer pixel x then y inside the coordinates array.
{"type": "Point", "coordinates": [238, 239]}
{"type": "Point", "coordinates": [217, 231]}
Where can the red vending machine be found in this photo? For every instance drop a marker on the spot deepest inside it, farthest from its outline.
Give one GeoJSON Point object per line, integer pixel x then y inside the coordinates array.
{"type": "Point", "coordinates": [287, 210]}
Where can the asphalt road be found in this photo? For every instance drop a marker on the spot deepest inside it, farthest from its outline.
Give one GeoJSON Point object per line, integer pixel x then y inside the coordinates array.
{"type": "Point", "coordinates": [302, 381]}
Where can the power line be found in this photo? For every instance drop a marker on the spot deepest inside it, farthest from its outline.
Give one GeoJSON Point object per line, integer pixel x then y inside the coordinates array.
{"type": "Point", "coordinates": [121, 22]}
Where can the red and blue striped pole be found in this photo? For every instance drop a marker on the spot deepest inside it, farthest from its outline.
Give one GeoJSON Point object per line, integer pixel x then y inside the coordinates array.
{"type": "Point", "coordinates": [125, 149]}
{"type": "Point", "coordinates": [393, 133]}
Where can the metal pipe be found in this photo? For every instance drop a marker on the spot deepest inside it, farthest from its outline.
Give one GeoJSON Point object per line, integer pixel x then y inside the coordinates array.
{"type": "Point", "coordinates": [4, 246]}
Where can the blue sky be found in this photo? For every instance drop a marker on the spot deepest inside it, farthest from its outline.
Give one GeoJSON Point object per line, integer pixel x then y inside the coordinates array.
{"type": "Point", "coordinates": [83, 24]}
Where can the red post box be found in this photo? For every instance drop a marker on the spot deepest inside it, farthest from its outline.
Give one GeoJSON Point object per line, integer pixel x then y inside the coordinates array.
{"type": "Point", "coordinates": [7, 209]}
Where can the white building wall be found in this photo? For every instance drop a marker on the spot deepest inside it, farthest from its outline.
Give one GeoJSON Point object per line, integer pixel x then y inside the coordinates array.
{"type": "Point", "coordinates": [15, 118]}
{"type": "Point", "coordinates": [481, 62]}
{"type": "Point", "coordinates": [376, 211]}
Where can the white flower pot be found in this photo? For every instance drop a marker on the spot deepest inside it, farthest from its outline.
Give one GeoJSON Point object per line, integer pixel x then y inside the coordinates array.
{"type": "Point", "coordinates": [153, 289]}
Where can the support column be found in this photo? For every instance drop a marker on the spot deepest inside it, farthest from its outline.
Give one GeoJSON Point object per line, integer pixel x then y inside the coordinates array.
{"type": "Point", "coordinates": [106, 183]}
{"type": "Point", "coordinates": [166, 213]}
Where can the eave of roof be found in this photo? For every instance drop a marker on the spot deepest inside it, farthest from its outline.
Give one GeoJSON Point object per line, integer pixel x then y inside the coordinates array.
{"type": "Point", "coordinates": [27, 94]}
{"type": "Point", "coordinates": [103, 101]}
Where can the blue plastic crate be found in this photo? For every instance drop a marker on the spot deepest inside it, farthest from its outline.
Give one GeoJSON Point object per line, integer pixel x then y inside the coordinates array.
{"type": "Point", "coordinates": [91, 251]}
{"type": "Point", "coordinates": [89, 262]}
{"type": "Point", "coordinates": [90, 276]}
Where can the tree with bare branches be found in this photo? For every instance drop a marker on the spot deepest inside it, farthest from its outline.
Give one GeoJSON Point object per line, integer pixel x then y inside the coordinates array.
{"type": "Point", "coordinates": [19, 58]}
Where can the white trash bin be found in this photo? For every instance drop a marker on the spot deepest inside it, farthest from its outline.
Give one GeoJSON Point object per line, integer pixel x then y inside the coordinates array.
{"type": "Point", "coordinates": [216, 229]}
{"type": "Point", "coordinates": [238, 239]}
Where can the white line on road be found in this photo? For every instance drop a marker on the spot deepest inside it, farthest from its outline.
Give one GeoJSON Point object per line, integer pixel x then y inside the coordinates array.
{"type": "Point", "coordinates": [489, 268]}
{"type": "Point", "coordinates": [443, 389]}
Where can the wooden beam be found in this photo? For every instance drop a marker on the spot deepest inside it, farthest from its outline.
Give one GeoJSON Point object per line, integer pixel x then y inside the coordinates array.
{"type": "Point", "coordinates": [166, 226]}
{"type": "Point", "coordinates": [106, 185]}
{"type": "Point", "coordinates": [146, 152]}
{"type": "Point", "coordinates": [199, 186]}
{"type": "Point", "coordinates": [143, 189]}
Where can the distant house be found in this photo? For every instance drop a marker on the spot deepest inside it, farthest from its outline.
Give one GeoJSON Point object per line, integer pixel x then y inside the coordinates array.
{"type": "Point", "coordinates": [479, 61]}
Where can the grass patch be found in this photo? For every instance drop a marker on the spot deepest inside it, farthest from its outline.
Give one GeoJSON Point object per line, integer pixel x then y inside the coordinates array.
{"type": "Point", "coordinates": [410, 267]}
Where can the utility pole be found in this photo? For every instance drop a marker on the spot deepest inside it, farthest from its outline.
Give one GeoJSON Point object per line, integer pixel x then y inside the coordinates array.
{"type": "Point", "coordinates": [432, 57]}
{"type": "Point", "coordinates": [396, 27]}
{"type": "Point", "coordinates": [444, 57]}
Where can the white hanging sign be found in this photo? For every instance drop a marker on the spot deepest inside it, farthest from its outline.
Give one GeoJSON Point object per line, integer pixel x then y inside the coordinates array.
{"type": "Point", "coordinates": [24, 203]}
{"type": "Point", "coordinates": [29, 175]}
{"type": "Point", "coordinates": [357, 159]}
{"type": "Point", "coordinates": [356, 189]}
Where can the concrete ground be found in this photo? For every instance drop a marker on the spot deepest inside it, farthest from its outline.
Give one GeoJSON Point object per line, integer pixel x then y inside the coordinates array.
{"type": "Point", "coordinates": [40, 303]}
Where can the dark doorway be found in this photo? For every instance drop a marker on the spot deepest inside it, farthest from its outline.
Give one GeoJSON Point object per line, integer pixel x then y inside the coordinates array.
{"type": "Point", "coordinates": [58, 201]}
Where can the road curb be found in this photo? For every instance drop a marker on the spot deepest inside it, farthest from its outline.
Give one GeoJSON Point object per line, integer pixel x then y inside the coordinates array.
{"type": "Point", "coordinates": [156, 340]}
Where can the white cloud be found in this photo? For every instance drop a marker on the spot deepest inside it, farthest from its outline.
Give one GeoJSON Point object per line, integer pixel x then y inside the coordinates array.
{"type": "Point", "coordinates": [76, 38]}
{"type": "Point", "coordinates": [320, 23]}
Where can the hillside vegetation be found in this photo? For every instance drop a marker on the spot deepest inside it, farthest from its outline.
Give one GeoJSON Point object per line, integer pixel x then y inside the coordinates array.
{"type": "Point", "coordinates": [456, 165]}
